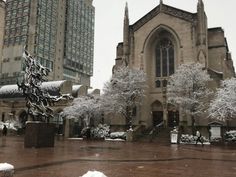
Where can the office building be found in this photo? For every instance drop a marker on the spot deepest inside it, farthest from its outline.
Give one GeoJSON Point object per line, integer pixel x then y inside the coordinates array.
{"type": "Point", "coordinates": [59, 33]}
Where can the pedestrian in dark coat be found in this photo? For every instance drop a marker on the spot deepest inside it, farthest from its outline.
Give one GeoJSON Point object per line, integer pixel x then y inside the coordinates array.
{"type": "Point", "coordinates": [4, 130]}
{"type": "Point", "coordinates": [199, 138]}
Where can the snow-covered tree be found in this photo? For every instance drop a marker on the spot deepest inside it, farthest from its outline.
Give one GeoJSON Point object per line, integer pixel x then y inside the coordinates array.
{"type": "Point", "coordinates": [86, 108]}
{"type": "Point", "coordinates": [124, 92]}
{"type": "Point", "coordinates": [187, 89]}
{"type": "Point", "coordinates": [223, 106]}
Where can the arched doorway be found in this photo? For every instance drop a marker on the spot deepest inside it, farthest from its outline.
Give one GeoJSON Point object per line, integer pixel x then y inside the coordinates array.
{"type": "Point", "coordinates": [173, 116]}
{"type": "Point", "coordinates": [157, 113]}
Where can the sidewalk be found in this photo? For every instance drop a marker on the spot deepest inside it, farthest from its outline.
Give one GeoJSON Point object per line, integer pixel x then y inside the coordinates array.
{"type": "Point", "coordinates": [73, 158]}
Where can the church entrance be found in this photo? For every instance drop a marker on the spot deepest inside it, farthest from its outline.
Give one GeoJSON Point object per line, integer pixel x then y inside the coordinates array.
{"type": "Point", "coordinates": [157, 113]}
{"type": "Point", "coordinates": [157, 117]}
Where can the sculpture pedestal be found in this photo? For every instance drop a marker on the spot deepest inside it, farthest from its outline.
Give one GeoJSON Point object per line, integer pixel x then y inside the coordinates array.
{"type": "Point", "coordinates": [39, 134]}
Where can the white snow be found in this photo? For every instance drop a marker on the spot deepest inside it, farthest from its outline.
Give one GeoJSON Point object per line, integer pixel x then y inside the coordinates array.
{"type": "Point", "coordinates": [223, 106]}
{"type": "Point", "coordinates": [52, 85]}
{"type": "Point", "coordinates": [6, 167]}
{"type": "Point", "coordinates": [187, 88]}
{"type": "Point", "coordinates": [76, 87]}
{"type": "Point", "coordinates": [9, 89]}
{"type": "Point", "coordinates": [94, 174]}
{"type": "Point", "coordinates": [84, 107]}
{"type": "Point", "coordinates": [218, 72]}
{"type": "Point", "coordinates": [11, 125]}
{"type": "Point", "coordinates": [118, 135]}
{"type": "Point", "coordinates": [124, 92]}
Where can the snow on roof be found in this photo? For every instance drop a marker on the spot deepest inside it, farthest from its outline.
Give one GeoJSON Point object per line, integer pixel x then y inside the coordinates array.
{"type": "Point", "coordinates": [8, 89]}
{"type": "Point", "coordinates": [52, 85]}
{"type": "Point", "coordinates": [93, 91]}
{"type": "Point", "coordinates": [79, 90]}
{"type": "Point", "coordinates": [11, 91]}
{"type": "Point", "coordinates": [218, 72]}
{"type": "Point", "coordinates": [76, 87]}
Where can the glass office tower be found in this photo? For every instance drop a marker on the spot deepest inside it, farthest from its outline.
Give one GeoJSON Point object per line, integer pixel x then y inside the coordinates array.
{"type": "Point", "coordinates": [59, 33]}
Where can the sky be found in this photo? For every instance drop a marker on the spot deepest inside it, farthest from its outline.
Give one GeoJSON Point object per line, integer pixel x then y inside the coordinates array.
{"type": "Point", "coordinates": [109, 27]}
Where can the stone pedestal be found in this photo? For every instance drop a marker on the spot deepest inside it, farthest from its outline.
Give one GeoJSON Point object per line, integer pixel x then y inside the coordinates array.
{"type": "Point", "coordinates": [129, 135]}
{"type": "Point", "coordinates": [39, 134]}
{"type": "Point", "coordinates": [69, 125]}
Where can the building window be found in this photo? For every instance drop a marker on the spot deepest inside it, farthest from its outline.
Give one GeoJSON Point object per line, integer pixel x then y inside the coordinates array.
{"type": "Point", "coordinates": [164, 60]}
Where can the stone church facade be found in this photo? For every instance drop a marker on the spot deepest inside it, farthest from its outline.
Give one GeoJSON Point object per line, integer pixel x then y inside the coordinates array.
{"type": "Point", "coordinates": [158, 43]}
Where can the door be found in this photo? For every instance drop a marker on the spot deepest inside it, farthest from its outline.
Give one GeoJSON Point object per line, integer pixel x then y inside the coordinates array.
{"type": "Point", "coordinates": [157, 117]}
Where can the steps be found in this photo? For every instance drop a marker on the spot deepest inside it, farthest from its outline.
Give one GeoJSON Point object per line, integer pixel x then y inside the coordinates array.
{"type": "Point", "coordinates": [159, 135]}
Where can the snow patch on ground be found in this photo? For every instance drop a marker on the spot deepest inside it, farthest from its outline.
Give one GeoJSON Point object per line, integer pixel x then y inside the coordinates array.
{"type": "Point", "coordinates": [94, 174]}
{"type": "Point", "coordinates": [6, 167]}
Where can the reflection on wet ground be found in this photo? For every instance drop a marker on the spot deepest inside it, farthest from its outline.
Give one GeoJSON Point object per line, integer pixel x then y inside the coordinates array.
{"type": "Point", "coordinates": [73, 158]}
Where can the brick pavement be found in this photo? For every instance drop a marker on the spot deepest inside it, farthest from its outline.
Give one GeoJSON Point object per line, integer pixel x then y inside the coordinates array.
{"type": "Point", "coordinates": [73, 158]}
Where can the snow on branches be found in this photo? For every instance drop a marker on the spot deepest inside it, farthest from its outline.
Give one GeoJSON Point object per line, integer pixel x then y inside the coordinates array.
{"type": "Point", "coordinates": [124, 91]}
{"type": "Point", "coordinates": [223, 106]}
{"type": "Point", "coordinates": [86, 108]}
{"type": "Point", "coordinates": [187, 88]}
{"type": "Point", "coordinates": [38, 101]}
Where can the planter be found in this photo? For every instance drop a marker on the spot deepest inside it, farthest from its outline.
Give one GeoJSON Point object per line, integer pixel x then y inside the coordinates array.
{"type": "Point", "coordinates": [39, 134]}
{"type": "Point", "coordinates": [6, 170]}
{"type": "Point", "coordinates": [174, 136]}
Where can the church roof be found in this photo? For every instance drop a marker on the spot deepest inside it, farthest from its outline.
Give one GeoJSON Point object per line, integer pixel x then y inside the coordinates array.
{"type": "Point", "coordinates": [188, 16]}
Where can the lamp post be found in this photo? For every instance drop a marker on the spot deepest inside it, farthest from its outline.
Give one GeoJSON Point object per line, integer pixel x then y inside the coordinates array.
{"type": "Point", "coordinates": [174, 115]}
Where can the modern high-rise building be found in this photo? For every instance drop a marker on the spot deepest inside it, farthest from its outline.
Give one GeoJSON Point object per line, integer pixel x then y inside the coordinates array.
{"type": "Point", "coordinates": [59, 33]}
{"type": "Point", "coordinates": [2, 23]}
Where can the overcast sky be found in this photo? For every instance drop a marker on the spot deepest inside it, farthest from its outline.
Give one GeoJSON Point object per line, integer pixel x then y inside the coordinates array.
{"type": "Point", "coordinates": [109, 27]}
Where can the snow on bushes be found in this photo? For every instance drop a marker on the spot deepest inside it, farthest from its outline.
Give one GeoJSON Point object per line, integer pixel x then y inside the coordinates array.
{"type": "Point", "coordinates": [11, 125]}
{"type": "Point", "coordinates": [101, 131]}
{"type": "Point", "coordinates": [118, 135]}
{"type": "Point", "coordinates": [190, 139]}
{"type": "Point", "coordinates": [230, 136]}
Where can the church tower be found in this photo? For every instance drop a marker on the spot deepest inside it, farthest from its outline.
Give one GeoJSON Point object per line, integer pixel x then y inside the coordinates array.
{"type": "Point", "coordinates": [201, 37]}
{"type": "Point", "coordinates": [126, 37]}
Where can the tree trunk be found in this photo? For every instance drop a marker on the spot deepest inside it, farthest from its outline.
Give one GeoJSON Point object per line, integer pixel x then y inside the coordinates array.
{"type": "Point", "coordinates": [193, 124]}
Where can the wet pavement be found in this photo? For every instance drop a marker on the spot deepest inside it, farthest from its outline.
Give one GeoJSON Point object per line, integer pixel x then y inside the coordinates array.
{"type": "Point", "coordinates": [73, 158]}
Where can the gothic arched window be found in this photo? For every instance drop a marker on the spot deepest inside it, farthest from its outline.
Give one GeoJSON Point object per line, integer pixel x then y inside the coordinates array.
{"type": "Point", "coordinates": [164, 58]}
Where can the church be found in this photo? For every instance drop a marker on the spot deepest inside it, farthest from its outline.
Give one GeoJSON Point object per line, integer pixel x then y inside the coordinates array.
{"type": "Point", "coordinates": [158, 43]}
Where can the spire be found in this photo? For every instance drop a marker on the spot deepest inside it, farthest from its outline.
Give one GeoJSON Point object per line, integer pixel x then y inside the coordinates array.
{"type": "Point", "coordinates": [126, 10]}
{"type": "Point", "coordinates": [126, 35]}
{"type": "Point", "coordinates": [200, 5]}
{"type": "Point", "coordinates": [161, 3]}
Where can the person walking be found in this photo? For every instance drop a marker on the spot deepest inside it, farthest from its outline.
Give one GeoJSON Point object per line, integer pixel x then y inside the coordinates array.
{"type": "Point", "coordinates": [4, 130]}
{"type": "Point", "coordinates": [199, 138]}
